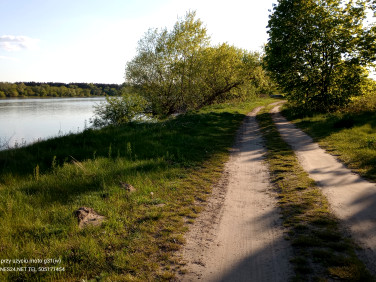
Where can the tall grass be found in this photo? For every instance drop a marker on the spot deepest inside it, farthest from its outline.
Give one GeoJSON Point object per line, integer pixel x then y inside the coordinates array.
{"type": "Point", "coordinates": [172, 164]}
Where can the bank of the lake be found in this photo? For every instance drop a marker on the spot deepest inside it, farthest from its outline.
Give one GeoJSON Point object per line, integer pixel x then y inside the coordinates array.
{"type": "Point", "coordinates": [171, 164]}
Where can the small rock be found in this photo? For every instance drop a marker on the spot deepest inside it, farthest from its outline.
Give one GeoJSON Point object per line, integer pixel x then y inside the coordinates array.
{"type": "Point", "coordinates": [88, 216]}
{"type": "Point", "coordinates": [127, 187]}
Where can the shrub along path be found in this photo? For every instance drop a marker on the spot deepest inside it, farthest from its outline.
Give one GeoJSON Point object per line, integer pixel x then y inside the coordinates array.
{"type": "Point", "coordinates": [352, 199]}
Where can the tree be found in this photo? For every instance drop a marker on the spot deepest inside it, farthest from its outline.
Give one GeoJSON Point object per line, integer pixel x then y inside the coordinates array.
{"type": "Point", "coordinates": [225, 69]}
{"type": "Point", "coordinates": [318, 50]}
{"type": "Point", "coordinates": [177, 70]}
{"type": "Point", "coordinates": [187, 41]}
{"type": "Point", "coordinates": [13, 91]}
{"type": "Point", "coordinates": [21, 88]}
{"type": "Point", "coordinates": [166, 67]}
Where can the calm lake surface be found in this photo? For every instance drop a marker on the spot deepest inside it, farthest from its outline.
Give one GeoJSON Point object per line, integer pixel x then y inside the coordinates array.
{"type": "Point", "coordinates": [28, 120]}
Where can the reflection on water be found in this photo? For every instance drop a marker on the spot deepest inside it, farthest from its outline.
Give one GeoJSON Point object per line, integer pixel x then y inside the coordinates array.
{"type": "Point", "coordinates": [28, 120]}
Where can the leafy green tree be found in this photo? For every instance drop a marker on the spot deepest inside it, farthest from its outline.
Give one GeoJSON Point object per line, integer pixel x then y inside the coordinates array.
{"type": "Point", "coordinates": [150, 72]}
{"type": "Point", "coordinates": [72, 91]}
{"type": "Point", "coordinates": [186, 41]}
{"type": "Point", "coordinates": [86, 92]}
{"type": "Point", "coordinates": [94, 90]}
{"type": "Point", "coordinates": [29, 91]}
{"type": "Point", "coordinates": [177, 70]}
{"type": "Point", "coordinates": [21, 89]}
{"type": "Point", "coordinates": [13, 92]}
{"type": "Point", "coordinates": [43, 90]}
{"type": "Point", "coordinates": [318, 50]}
{"type": "Point", "coordinates": [9, 89]}
{"type": "Point", "coordinates": [226, 72]}
{"type": "Point", "coordinates": [165, 67]}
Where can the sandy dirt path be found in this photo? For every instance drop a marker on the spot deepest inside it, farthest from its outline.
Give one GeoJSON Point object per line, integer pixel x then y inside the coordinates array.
{"type": "Point", "coordinates": [238, 237]}
{"type": "Point", "coordinates": [352, 199]}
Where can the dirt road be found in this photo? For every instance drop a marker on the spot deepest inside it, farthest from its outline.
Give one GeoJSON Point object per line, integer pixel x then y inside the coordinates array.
{"type": "Point", "coordinates": [239, 236]}
{"type": "Point", "coordinates": [352, 199]}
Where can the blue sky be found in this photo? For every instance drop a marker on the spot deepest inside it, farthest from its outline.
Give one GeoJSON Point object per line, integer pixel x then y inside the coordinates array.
{"type": "Point", "coordinates": [91, 40]}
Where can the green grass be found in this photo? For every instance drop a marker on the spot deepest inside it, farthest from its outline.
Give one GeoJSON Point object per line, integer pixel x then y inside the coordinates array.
{"type": "Point", "coordinates": [172, 164]}
{"type": "Point", "coordinates": [351, 136]}
{"type": "Point", "coordinates": [321, 252]}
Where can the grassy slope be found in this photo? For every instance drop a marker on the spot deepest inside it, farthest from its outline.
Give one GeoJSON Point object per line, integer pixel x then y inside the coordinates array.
{"type": "Point", "coordinates": [349, 136]}
{"type": "Point", "coordinates": [42, 185]}
{"type": "Point", "coordinates": [321, 251]}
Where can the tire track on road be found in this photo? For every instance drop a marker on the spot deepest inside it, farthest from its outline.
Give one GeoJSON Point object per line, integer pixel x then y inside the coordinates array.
{"type": "Point", "coordinates": [239, 236]}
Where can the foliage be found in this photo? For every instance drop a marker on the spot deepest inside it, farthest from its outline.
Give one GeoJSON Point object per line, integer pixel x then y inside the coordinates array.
{"type": "Point", "coordinates": [56, 89]}
{"type": "Point", "coordinates": [177, 70]}
{"type": "Point", "coordinates": [166, 66]}
{"type": "Point", "coordinates": [365, 102]}
{"type": "Point", "coordinates": [118, 110]}
{"type": "Point", "coordinates": [225, 71]}
{"type": "Point", "coordinates": [318, 51]}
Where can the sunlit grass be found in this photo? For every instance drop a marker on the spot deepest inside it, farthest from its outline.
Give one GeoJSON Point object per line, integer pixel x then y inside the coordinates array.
{"type": "Point", "coordinates": [172, 164]}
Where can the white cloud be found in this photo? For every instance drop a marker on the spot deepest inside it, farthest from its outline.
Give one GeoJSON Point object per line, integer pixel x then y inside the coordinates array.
{"type": "Point", "coordinates": [16, 43]}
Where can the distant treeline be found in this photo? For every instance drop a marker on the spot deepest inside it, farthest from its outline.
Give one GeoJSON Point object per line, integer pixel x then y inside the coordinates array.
{"type": "Point", "coordinates": [57, 89]}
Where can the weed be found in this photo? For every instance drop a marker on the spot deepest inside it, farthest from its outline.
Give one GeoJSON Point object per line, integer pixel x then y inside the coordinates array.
{"type": "Point", "coordinates": [129, 150]}
{"type": "Point", "coordinates": [36, 173]}
{"type": "Point", "coordinates": [53, 164]}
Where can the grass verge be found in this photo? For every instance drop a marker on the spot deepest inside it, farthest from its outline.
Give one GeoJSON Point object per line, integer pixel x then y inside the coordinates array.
{"type": "Point", "coordinates": [172, 164]}
{"type": "Point", "coordinates": [321, 252]}
{"type": "Point", "coordinates": [350, 136]}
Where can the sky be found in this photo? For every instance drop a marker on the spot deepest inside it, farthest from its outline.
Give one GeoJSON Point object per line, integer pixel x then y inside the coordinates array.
{"type": "Point", "coordinates": [91, 40]}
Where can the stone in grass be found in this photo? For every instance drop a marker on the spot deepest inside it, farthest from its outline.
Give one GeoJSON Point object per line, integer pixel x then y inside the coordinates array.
{"type": "Point", "coordinates": [127, 187]}
{"type": "Point", "coordinates": [88, 216]}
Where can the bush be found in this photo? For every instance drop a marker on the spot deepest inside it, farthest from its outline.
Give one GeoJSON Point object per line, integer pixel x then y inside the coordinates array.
{"type": "Point", "coordinates": [118, 110]}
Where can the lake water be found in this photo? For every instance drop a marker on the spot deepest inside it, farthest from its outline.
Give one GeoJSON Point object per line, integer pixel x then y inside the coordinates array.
{"type": "Point", "coordinates": [29, 120]}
